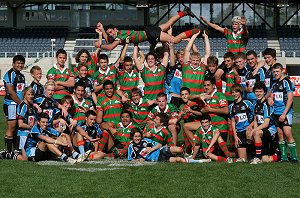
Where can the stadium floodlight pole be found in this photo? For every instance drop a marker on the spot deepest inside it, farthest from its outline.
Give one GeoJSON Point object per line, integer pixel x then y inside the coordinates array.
{"type": "Point", "coordinates": [52, 49]}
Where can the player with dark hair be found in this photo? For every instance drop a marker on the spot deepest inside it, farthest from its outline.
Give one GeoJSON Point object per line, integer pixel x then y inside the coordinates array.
{"type": "Point", "coordinates": [282, 101]}
{"type": "Point", "coordinates": [270, 59]}
{"type": "Point", "coordinates": [241, 115]}
{"type": "Point", "coordinates": [14, 83]}
{"type": "Point", "coordinates": [151, 34]}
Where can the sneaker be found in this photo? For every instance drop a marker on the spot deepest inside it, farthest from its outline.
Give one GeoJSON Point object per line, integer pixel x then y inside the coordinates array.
{"type": "Point", "coordinates": [83, 157]}
{"type": "Point", "coordinates": [294, 161]}
{"type": "Point", "coordinates": [241, 160]}
{"type": "Point", "coordinates": [188, 11]}
{"type": "Point", "coordinates": [3, 154]}
{"type": "Point", "coordinates": [71, 161]}
{"type": "Point", "coordinates": [256, 161]}
{"type": "Point", "coordinates": [229, 160]}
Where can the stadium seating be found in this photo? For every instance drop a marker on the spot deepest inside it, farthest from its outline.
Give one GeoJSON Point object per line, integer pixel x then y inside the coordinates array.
{"type": "Point", "coordinates": [31, 39]}
{"type": "Point", "coordinates": [289, 39]}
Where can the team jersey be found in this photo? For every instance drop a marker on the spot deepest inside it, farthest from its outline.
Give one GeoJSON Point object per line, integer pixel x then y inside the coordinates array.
{"type": "Point", "coordinates": [101, 76]}
{"type": "Point", "coordinates": [280, 90]}
{"type": "Point", "coordinates": [204, 138]}
{"type": "Point", "coordinates": [173, 79]}
{"type": "Point", "coordinates": [269, 78]}
{"type": "Point", "coordinates": [209, 75]}
{"type": "Point", "coordinates": [111, 107]}
{"type": "Point", "coordinates": [162, 136]}
{"type": "Point", "coordinates": [193, 78]}
{"type": "Point", "coordinates": [243, 114]}
{"type": "Point", "coordinates": [217, 101]}
{"type": "Point", "coordinates": [134, 36]}
{"type": "Point", "coordinates": [89, 85]}
{"type": "Point", "coordinates": [242, 74]}
{"type": "Point", "coordinates": [38, 89]}
{"type": "Point", "coordinates": [17, 80]}
{"type": "Point", "coordinates": [190, 117]}
{"type": "Point", "coordinates": [140, 112]}
{"type": "Point", "coordinates": [48, 105]}
{"type": "Point", "coordinates": [263, 110]}
{"type": "Point", "coordinates": [92, 131]}
{"type": "Point", "coordinates": [123, 133]}
{"type": "Point", "coordinates": [236, 42]}
{"type": "Point", "coordinates": [154, 81]}
{"type": "Point", "coordinates": [128, 81]}
{"type": "Point", "coordinates": [80, 107]}
{"type": "Point", "coordinates": [33, 138]}
{"type": "Point", "coordinates": [251, 80]}
{"type": "Point", "coordinates": [230, 80]}
{"type": "Point", "coordinates": [171, 110]}
{"type": "Point", "coordinates": [59, 75]}
{"type": "Point", "coordinates": [138, 151]}
{"type": "Point", "coordinates": [27, 113]}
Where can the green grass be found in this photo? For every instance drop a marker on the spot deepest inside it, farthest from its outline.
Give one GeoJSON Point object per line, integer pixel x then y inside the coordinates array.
{"type": "Point", "coordinates": [28, 179]}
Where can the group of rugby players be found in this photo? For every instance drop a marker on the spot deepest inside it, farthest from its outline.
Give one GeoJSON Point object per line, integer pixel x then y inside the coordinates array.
{"type": "Point", "coordinates": [96, 110]}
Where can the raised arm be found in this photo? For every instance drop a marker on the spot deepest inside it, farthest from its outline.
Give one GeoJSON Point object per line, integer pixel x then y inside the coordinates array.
{"type": "Point", "coordinates": [207, 48]}
{"type": "Point", "coordinates": [123, 53]}
{"type": "Point", "coordinates": [165, 59]}
{"type": "Point", "coordinates": [138, 63]}
{"type": "Point", "coordinates": [186, 56]}
{"type": "Point", "coordinates": [101, 28]}
{"type": "Point", "coordinates": [212, 25]}
{"type": "Point", "coordinates": [245, 31]}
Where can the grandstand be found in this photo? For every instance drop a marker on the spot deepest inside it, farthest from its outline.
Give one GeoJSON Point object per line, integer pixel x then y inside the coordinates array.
{"type": "Point", "coordinates": [28, 27]}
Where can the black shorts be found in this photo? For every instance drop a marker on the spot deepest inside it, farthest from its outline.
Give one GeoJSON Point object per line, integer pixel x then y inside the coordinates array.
{"type": "Point", "coordinates": [41, 155]}
{"type": "Point", "coordinates": [287, 122]}
{"type": "Point", "coordinates": [153, 34]}
{"type": "Point", "coordinates": [224, 136]}
{"type": "Point", "coordinates": [165, 154]}
{"type": "Point", "coordinates": [242, 136]}
{"type": "Point", "coordinates": [266, 140]}
{"type": "Point", "coordinates": [10, 111]}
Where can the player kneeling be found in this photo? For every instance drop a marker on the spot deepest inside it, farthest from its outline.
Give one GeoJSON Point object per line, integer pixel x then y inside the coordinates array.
{"type": "Point", "coordinates": [206, 137]}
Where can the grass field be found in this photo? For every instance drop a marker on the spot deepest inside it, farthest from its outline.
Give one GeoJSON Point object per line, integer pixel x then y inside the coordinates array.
{"type": "Point", "coordinates": [122, 179]}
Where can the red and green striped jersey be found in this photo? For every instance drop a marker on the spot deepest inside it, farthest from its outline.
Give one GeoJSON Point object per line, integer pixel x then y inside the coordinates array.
{"type": "Point", "coordinates": [140, 112]}
{"type": "Point", "coordinates": [204, 137]}
{"type": "Point", "coordinates": [78, 110]}
{"type": "Point", "coordinates": [111, 107]}
{"type": "Point", "coordinates": [59, 75]}
{"type": "Point", "coordinates": [193, 78]}
{"type": "Point", "coordinates": [230, 80]}
{"type": "Point", "coordinates": [91, 69]}
{"type": "Point", "coordinates": [110, 74]}
{"type": "Point", "coordinates": [171, 110]}
{"type": "Point", "coordinates": [217, 101]}
{"type": "Point", "coordinates": [154, 81]}
{"type": "Point", "coordinates": [128, 81]}
{"type": "Point", "coordinates": [123, 133]}
{"type": "Point", "coordinates": [162, 136]}
{"type": "Point", "coordinates": [190, 117]}
{"type": "Point", "coordinates": [235, 43]}
{"type": "Point", "coordinates": [134, 36]}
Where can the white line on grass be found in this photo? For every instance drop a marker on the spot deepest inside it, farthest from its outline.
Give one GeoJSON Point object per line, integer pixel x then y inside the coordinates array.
{"type": "Point", "coordinates": [93, 169]}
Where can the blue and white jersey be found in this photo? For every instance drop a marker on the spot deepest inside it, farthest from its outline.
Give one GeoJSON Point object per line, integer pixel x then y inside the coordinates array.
{"type": "Point", "coordinates": [89, 85]}
{"type": "Point", "coordinates": [280, 90]}
{"type": "Point", "coordinates": [48, 105]}
{"type": "Point", "coordinates": [243, 114]}
{"type": "Point", "coordinates": [251, 80]}
{"type": "Point", "coordinates": [33, 138]}
{"type": "Point", "coordinates": [173, 80]}
{"type": "Point", "coordinates": [137, 151]}
{"type": "Point", "coordinates": [38, 89]}
{"type": "Point", "coordinates": [17, 80]}
{"type": "Point", "coordinates": [269, 78]}
{"type": "Point", "coordinates": [28, 114]}
{"type": "Point", "coordinates": [262, 111]}
{"type": "Point", "coordinates": [92, 131]}
{"type": "Point", "coordinates": [242, 73]}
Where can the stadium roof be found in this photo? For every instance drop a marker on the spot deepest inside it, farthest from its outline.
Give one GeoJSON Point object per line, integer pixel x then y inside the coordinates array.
{"type": "Point", "coordinates": [152, 3]}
